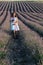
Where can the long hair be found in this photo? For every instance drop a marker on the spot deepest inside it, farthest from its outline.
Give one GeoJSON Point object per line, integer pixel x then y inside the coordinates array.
{"type": "Point", "coordinates": [11, 14]}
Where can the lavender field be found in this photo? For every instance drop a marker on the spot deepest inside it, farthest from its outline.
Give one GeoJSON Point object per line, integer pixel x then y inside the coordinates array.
{"type": "Point", "coordinates": [28, 48]}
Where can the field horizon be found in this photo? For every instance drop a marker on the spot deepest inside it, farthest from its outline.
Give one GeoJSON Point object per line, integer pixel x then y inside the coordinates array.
{"type": "Point", "coordinates": [24, 0]}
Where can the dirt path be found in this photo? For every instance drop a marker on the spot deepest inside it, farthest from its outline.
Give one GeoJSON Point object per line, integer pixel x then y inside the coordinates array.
{"type": "Point", "coordinates": [2, 17]}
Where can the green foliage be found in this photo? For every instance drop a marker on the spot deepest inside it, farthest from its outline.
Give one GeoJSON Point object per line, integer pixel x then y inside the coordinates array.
{"type": "Point", "coordinates": [2, 54]}
{"type": "Point", "coordinates": [1, 44]}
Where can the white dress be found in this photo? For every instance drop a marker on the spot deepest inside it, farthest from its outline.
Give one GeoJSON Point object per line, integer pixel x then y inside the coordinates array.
{"type": "Point", "coordinates": [13, 25]}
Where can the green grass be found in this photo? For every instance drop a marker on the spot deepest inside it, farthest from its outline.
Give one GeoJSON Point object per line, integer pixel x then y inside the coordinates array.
{"type": "Point", "coordinates": [1, 44]}
{"type": "Point", "coordinates": [2, 54]}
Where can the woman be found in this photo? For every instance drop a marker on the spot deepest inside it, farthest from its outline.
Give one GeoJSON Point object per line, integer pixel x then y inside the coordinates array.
{"type": "Point", "coordinates": [14, 24]}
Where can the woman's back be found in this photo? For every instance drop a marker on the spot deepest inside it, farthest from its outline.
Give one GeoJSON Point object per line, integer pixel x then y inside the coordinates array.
{"type": "Point", "coordinates": [15, 20]}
